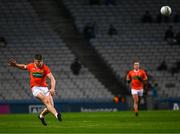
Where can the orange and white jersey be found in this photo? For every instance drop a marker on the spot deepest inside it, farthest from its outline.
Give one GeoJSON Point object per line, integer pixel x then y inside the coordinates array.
{"type": "Point", "coordinates": [137, 77]}
{"type": "Point", "coordinates": [38, 75]}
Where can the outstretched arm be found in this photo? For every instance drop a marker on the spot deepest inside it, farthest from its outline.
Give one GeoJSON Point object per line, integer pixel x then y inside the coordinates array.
{"type": "Point", "coordinates": [53, 83]}
{"type": "Point", "coordinates": [128, 79]}
{"type": "Point", "coordinates": [12, 62]}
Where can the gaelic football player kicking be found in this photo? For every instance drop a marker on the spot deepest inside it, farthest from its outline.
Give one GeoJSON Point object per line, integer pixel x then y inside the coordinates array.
{"type": "Point", "coordinates": [38, 73]}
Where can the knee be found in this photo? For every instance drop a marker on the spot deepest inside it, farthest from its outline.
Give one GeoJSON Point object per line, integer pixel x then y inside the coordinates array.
{"type": "Point", "coordinates": [46, 101]}
{"type": "Point", "coordinates": [135, 101]}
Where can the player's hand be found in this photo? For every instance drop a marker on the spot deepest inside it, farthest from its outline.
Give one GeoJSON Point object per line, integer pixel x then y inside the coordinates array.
{"type": "Point", "coordinates": [12, 62]}
{"type": "Point", "coordinates": [52, 92]}
{"type": "Point", "coordinates": [128, 81]}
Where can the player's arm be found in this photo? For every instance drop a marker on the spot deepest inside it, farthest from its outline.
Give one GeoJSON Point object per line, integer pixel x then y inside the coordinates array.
{"type": "Point", "coordinates": [145, 84]}
{"type": "Point", "coordinates": [53, 83]}
{"type": "Point", "coordinates": [13, 63]}
{"type": "Point", "coordinates": [145, 79]}
{"type": "Point", "coordinates": [128, 79]}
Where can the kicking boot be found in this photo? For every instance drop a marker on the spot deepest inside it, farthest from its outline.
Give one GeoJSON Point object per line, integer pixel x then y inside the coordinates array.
{"type": "Point", "coordinates": [136, 114]}
{"type": "Point", "coordinates": [59, 117]}
{"type": "Point", "coordinates": [42, 121]}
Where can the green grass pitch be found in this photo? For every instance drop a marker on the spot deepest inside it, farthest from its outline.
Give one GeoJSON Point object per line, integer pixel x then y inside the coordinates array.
{"type": "Point", "coordinates": [94, 122]}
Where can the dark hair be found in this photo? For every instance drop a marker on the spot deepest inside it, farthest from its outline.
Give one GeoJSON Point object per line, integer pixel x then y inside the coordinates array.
{"type": "Point", "coordinates": [38, 57]}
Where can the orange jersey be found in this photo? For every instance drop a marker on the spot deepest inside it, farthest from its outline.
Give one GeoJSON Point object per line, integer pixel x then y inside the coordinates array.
{"type": "Point", "coordinates": [137, 78]}
{"type": "Point", "coordinates": [38, 75]}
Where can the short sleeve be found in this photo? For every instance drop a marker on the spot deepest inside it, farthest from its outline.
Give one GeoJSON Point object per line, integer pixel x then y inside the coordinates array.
{"type": "Point", "coordinates": [47, 70]}
{"type": "Point", "coordinates": [28, 67]}
{"type": "Point", "coordinates": [144, 75]}
{"type": "Point", "coordinates": [129, 75]}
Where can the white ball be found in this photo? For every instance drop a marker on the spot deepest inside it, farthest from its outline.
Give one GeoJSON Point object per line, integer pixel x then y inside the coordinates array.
{"type": "Point", "coordinates": [166, 10]}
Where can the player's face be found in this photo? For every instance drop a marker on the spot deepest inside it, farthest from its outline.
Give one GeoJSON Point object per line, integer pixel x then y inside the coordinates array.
{"type": "Point", "coordinates": [38, 63]}
{"type": "Point", "coordinates": [136, 66]}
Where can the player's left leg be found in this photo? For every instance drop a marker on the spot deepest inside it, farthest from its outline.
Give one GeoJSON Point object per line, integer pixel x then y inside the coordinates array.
{"type": "Point", "coordinates": [44, 112]}
{"type": "Point", "coordinates": [135, 98]}
{"type": "Point", "coordinates": [134, 93]}
{"type": "Point", "coordinates": [46, 101]}
{"type": "Point", "coordinates": [140, 97]}
{"type": "Point", "coordinates": [52, 103]}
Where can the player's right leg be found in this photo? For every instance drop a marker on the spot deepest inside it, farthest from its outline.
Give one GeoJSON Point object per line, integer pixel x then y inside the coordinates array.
{"type": "Point", "coordinates": [41, 116]}
{"type": "Point", "coordinates": [42, 119]}
{"type": "Point", "coordinates": [135, 100]}
{"type": "Point", "coordinates": [44, 112]}
{"type": "Point", "coordinates": [35, 92]}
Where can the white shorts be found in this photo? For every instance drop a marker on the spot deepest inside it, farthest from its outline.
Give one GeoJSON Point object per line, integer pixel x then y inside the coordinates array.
{"type": "Point", "coordinates": [36, 90]}
{"type": "Point", "coordinates": [138, 92]}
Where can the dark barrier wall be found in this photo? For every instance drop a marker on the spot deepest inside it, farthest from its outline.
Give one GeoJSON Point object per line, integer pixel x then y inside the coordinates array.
{"type": "Point", "coordinates": [63, 106]}
{"type": "Point", "coordinates": [170, 103]}
{"type": "Point", "coordinates": [34, 106]}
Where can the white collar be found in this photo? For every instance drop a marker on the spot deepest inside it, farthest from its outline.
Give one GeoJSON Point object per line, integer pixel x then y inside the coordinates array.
{"type": "Point", "coordinates": [136, 70]}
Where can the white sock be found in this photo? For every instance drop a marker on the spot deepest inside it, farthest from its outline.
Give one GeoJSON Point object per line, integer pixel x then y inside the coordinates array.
{"type": "Point", "coordinates": [41, 116]}
{"type": "Point", "coordinates": [56, 115]}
